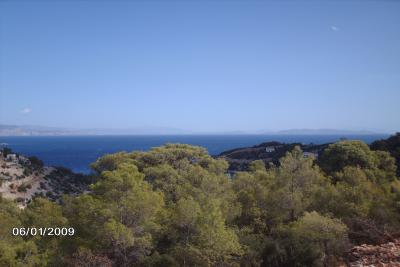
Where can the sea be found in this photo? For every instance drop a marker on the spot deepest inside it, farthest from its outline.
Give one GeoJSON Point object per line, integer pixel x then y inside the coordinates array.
{"type": "Point", "coordinates": [78, 152]}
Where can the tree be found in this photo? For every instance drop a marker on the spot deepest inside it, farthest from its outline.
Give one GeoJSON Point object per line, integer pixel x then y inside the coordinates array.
{"type": "Point", "coordinates": [199, 204]}
{"type": "Point", "coordinates": [110, 162]}
{"type": "Point", "coordinates": [6, 151]}
{"type": "Point", "coordinates": [297, 181]}
{"type": "Point", "coordinates": [252, 193]}
{"type": "Point", "coordinates": [323, 238]}
{"type": "Point", "coordinates": [14, 250]}
{"type": "Point", "coordinates": [200, 235]}
{"type": "Point", "coordinates": [391, 145]}
{"type": "Point", "coordinates": [42, 213]}
{"type": "Point", "coordinates": [312, 240]}
{"type": "Point", "coordinates": [119, 217]}
{"type": "Point", "coordinates": [36, 163]}
{"type": "Point", "coordinates": [379, 166]}
{"type": "Point", "coordinates": [347, 153]}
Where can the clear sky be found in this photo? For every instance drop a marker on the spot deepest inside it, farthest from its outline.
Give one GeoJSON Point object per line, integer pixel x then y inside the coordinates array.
{"type": "Point", "coordinates": [201, 65]}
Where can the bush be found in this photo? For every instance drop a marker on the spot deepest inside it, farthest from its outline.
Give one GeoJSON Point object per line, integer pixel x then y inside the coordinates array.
{"type": "Point", "coordinates": [6, 151]}
{"type": "Point", "coordinates": [27, 171]}
{"type": "Point", "coordinates": [24, 187]}
{"type": "Point", "coordinates": [36, 162]}
{"type": "Point", "coordinates": [43, 185]}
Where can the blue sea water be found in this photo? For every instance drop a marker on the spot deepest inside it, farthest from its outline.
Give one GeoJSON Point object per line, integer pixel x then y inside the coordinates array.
{"type": "Point", "coordinates": [78, 152]}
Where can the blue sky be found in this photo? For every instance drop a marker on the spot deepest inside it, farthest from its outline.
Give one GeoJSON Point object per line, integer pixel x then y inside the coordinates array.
{"type": "Point", "coordinates": [201, 65]}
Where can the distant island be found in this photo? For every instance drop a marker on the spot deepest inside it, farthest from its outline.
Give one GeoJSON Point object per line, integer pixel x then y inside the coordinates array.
{"type": "Point", "coordinates": [37, 130]}
{"type": "Point", "coordinates": [327, 132]}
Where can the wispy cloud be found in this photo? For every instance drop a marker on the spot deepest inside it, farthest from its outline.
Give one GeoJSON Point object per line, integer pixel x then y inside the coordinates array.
{"type": "Point", "coordinates": [335, 28]}
{"type": "Point", "coordinates": [26, 110]}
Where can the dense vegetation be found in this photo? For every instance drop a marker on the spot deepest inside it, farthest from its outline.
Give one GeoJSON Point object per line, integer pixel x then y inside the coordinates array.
{"type": "Point", "coordinates": [176, 206]}
{"type": "Point", "coordinates": [392, 145]}
{"type": "Point", "coordinates": [240, 159]}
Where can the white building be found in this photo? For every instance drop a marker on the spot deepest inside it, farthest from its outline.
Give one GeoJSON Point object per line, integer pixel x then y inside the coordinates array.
{"type": "Point", "coordinates": [11, 157]}
{"type": "Point", "coordinates": [269, 149]}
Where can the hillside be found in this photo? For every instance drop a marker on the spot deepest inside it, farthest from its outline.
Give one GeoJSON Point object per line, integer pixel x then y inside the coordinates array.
{"type": "Point", "coordinates": [269, 152]}
{"type": "Point", "coordinates": [22, 179]}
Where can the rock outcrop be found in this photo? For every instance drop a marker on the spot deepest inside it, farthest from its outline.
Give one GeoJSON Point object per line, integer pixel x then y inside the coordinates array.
{"type": "Point", "coordinates": [21, 180]}
{"type": "Point", "coordinates": [384, 255]}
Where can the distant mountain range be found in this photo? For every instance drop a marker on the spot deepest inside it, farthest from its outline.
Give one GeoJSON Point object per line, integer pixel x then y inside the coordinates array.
{"type": "Point", "coordinates": [28, 130]}
{"type": "Point", "coordinates": [325, 132]}
{"type": "Point", "coordinates": [35, 130]}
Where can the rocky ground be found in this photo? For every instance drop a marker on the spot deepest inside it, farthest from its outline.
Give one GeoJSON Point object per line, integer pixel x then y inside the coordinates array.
{"type": "Point", "coordinates": [384, 255]}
